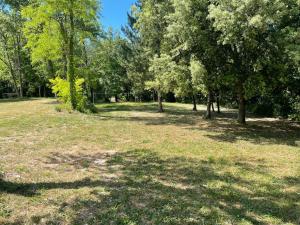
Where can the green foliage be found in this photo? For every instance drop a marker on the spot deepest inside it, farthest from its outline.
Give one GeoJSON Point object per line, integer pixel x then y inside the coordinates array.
{"type": "Point", "coordinates": [245, 50]}
{"type": "Point", "coordinates": [48, 27]}
{"type": "Point", "coordinates": [164, 71]}
{"type": "Point", "coordinates": [199, 76]}
{"type": "Point", "coordinates": [296, 110]}
{"type": "Point", "coordinates": [61, 88]}
{"type": "Point", "coordinates": [108, 66]}
{"type": "Point", "coordinates": [64, 24]}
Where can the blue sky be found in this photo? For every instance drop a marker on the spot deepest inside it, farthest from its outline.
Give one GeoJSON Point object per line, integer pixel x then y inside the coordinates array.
{"type": "Point", "coordinates": [114, 12]}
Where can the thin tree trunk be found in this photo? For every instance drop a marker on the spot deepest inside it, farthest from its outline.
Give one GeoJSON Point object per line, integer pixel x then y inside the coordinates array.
{"type": "Point", "coordinates": [194, 103]}
{"type": "Point", "coordinates": [71, 69]}
{"type": "Point", "coordinates": [50, 68]}
{"type": "Point", "coordinates": [19, 60]}
{"type": "Point", "coordinates": [21, 86]}
{"type": "Point", "coordinates": [242, 103]}
{"type": "Point", "coordinates": [159, 99]}
{"type": "Point", "coordinates": [92, 95]}
{"type": "Point", "coordinates": [218, 103]}
{"type": "Point", "coordinates": [45, 92]}
{"type": "Point", "coordinates": [208, 110]}
{"type": "Point", "coordinates": [212, 106]}
{"type": "Point", "coordinates": [12, 73]}
{"type": "Point", "coordinates": [40, 91]}
{"type": "Point", "coordinates": [9, 62]}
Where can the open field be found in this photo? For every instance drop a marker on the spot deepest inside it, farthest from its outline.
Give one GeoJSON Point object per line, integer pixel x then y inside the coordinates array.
{"type": "Point", "coordinates": [128, 164]}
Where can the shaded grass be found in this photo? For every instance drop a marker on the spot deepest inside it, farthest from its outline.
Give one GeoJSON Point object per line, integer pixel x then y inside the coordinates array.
{"type": "Point", "coordinates": [129, 164]}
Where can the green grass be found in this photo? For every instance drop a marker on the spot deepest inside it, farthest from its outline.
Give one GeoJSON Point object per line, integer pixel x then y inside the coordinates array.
{"type": "Point", "coordinates": [128, 164]}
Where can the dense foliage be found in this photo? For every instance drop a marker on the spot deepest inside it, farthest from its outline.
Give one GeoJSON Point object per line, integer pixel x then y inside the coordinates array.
{"type": "Point", "coordinates": [243, 54]}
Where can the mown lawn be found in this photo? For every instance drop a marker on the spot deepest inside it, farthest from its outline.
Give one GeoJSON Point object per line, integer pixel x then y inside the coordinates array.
{"type": "Point", "coordinates": [129, 164]}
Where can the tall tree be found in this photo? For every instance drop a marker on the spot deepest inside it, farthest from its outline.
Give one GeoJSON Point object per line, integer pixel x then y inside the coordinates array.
{"type": "Point", "coordinates": [152, 25]}
{"type": "Point", "coordinates": [108, 64]}
{"type": "Point", "coordinates": [57, 26]}
{"type": "Point", "coordinates": [12, 42]}
{"type": "Point", "coordinates": [191, 39]}
{"type": "Point", "coordinates": [137, 60]}
{"type": "Point", "coordinates": [249, 28]}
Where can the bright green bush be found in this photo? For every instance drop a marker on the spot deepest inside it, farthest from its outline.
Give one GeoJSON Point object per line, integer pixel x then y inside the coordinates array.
{"type": "Point", "coordinates": [61, 88]}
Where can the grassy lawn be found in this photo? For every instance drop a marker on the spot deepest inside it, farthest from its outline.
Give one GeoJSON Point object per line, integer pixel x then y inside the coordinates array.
{"type": "Point", "coordinates": [130, 165]}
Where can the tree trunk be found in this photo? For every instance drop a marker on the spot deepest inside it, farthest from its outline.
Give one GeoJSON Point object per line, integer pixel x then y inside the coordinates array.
{"type": "Point", "coordinates": [242, 103]}
{"type": "Point", "coordinates": [21, 87]}
{"type": "Point", "coordinates": [9, 62]}
{"type": "Point", "coordinates": [19, 63]}
{"type": "Point", "coordinates": [12, 73]}
{"type": "Point", "coordinates": [212, 106]}
{"type": "Point", "coordinates": [50, 68]}
{"type": "Point", "coordinates": [45, 91]}
{"type": "Point", "coordinates": [71, 69]}
{"type": "Point", "coordinates": [40, 91]}
{"type": "Point", "coordinates": [92, 95]}
{"type": "Point", "coordinates": [194, 103]}
{"type": "Point", "coordinates": [218, 103]}
{"type": "Point", "coordinates": [159, 99]}
{"type": "Point", "coordinates": [208, 110]}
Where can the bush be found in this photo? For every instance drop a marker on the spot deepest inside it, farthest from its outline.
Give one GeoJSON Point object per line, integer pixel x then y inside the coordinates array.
{"type": "Point", "coordinates": [296, 110]}
{"type": "Point", "coordinates": [61, 88]}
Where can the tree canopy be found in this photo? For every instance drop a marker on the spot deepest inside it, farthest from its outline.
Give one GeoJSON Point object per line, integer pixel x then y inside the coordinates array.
{"type": "Point", "coordinates": [242, 54]}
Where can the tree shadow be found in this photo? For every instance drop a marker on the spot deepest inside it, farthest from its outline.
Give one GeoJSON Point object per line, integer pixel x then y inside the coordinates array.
{"type": "Point", "coordinates": [223, 127]}
{"type": "Point", "coordinates": [150, 189]}
{"type": "Point", "coordinates": [263, 132]}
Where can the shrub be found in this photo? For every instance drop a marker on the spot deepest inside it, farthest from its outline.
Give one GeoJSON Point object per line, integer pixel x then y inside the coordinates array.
{"type": "Point", "coordinates": [296, 110]}
{"type": "Point", "coordinates": [61, 88]}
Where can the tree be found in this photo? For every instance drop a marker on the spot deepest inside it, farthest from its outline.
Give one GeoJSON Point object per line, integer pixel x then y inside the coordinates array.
{"type": "Point", "coordinates": [163, 69]}
{"type": "Point", "coordinates": [249, 28]}
{"type": "Point", "coordinates": [137, 60]}
{"type": "Point", "coordinates": [151, 24]}
{"type": "Point", "coordinates": [54, 28]}
{"type": "Point", "coordinates": [108, 66]}
{"type": "Point", "coordinates": [12, 41]}
{"type": "Point", "coordinates": [191, 39]}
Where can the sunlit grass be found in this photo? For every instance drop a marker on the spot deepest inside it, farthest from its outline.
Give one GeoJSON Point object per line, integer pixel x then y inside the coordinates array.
{"type": "Point", "coordinates": [128, 164]}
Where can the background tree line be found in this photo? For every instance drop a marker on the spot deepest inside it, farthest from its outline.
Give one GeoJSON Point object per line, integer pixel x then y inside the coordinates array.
{"type": "Point", "coordinates": [243, 54]}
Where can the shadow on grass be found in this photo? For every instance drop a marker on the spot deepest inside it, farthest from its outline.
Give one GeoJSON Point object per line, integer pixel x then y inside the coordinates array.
{"type": "Point", "coordinates": [148, 189]}
{"type": "Point", "coordinates": [222, 128]}
{"type": "Point", "coordinates": [257, 132]}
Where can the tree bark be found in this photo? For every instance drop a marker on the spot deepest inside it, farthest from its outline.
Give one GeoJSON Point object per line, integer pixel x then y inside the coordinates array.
{"type": "Point", "coordinates": [194, 103]}
{"type": "Point", "coordinates": [209, 101]}
{"type": "Point", "coordinates": [71, 69]}
{"type": "Point", "coordinates": [92, 95]}
{"type": "Point", "coordinates": [45, 91]}
{"type": "Point", "coordinates": [218, 103]}
{"type": "Point", "coordinates": [9, 64]}
{"type": "Point", "coordinates": [242, 103]}
{"type": "Point", "coordinates": [19, 64]}
{"type": "Point", "coordinates": [159, 99]}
